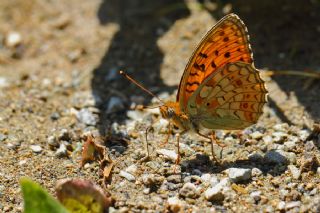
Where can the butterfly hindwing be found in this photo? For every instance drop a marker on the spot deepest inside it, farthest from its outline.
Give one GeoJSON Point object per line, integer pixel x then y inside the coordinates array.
{"type": "Point", "coordinates": [230, 98]}
{"type": "Point", "coordinates": [226, 42]}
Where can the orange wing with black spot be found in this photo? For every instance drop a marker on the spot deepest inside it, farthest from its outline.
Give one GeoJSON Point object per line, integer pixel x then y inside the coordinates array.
{"type": "Point", "coordinates": [226, 42]}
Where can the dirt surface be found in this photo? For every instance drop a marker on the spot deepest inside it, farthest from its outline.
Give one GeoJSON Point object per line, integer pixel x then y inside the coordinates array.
{"type": "Point", "coordinates": [59, 63]}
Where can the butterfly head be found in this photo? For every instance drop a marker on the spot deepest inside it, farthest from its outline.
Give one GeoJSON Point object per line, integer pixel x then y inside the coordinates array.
{"type": "Point", "coordinates": [171, 111]}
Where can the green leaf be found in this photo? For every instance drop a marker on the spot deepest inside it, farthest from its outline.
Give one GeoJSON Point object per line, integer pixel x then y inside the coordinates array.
{"type": "Point", "coordinates": [37, 200]}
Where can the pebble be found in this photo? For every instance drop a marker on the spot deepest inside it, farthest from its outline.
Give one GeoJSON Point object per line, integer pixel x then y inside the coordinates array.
{"type": "Point", "coordinates": [87, 117]}
{"type": "Point", "coordinates": [168, 154]}
{"type": "Point", "coordinates": [52, 141]}
{"type": "Point", "coordinates": [289, 146]}
{"type": "Point", "coordinates": [115, 104]}
{"type": "Point", "coordinates": [146, 191]}
{"type": "Point", "coordinates": [135, 115]}
{"type": "Point", "coordinates": [267, 139]}
{"type": "Point", "coordinates": [36, 148]}
{"type": "Point", "coordinates": [174, 178]}
{"type": "Point", "coordinates": [255, 157]}
{"type": "Point", "coordinates": [303, 134]}
{"type": "Point", "coordinates": [214, 194]}
{"type": "Point", "coordinates": [239, 175]}
{"type": "Point", "coordinates": [175, 205]}
{"type": "Point", "coordinates": [279, 137]}
{"type": "Point", "coordinates": [205, 177]}
{"type": "Point", "coordinates": [281, 205]}
{"type": "Point", "coordinates": [189, 190]}
{"type": "Point", "coordinates": [256, 195]}
{"type": "Point", "coordinates": [255, 172]}
{"type": "Point", "coordinates": [276, 157]}
{"type": "Point", "coordinates": [256, 135]}
{"type": "Point", "coordinates": [295, 172]}
{"type": "Point", "coordinates": [283, 127]}
{"type": "Point", "coordinates": [2, 137]}
{"type": "Point", "coordinates": [13, 39]}
{"type": "Point", "coordinates": [3, 82]}
{"type": "Point", "coordinates": [293, 204]}
{"type": "Point", "coordinates": [61, 151]}
{"type": "Point", "coordinates": [127, 176]}
{"type": "Point", "coordinates": [132, 169]}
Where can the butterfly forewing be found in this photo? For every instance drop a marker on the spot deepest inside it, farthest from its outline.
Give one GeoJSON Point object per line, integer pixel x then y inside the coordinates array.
{"type": "Point", "coordinates": [226, 42]}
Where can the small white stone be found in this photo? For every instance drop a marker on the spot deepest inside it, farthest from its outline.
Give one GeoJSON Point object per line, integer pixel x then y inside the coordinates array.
{"type": "Point", "coordinates": [22, 162]}
{"type": "Point", "coordinates": [214, 193]}
{"type": "Point", "coordinates": [239, 174]}
{"type": "Point", "coordinates": [205, 177]}
{"type": "Point", "coordinates": [214, 181]}
{"type": "Point", "coordinates": [13, 39]}
{"type": "Point", "coordinates": [267, 139]}
{"type": "Point", "coordinates": [127, 176]}
{"type": "Point", "coordinates": [318, 170]}
{"type": "Point", "coordinates": [281, 127]}
{"type": "Point", "coordinates": [52, 141]}
{"type": "Point", "coordinates": [256, 195]}
{"type": "Point", "coordinates": [289, 146]}
{"type": "Point", "coordinates": [255, 172]}
{"type": "Point", "coordinates": [146, 191]}
{"type": "Point", "coordinates": [36, 148]}
{"type": "Point", "coordinates": [61, 151]}
{"type": "Point", "coordinates": [296, 173]}
{"type": "Point", "coordinates": [175, 205]}
{"type": "Point", "coordinates": [281, 205]}
{"type": "Point", "coordinates": [293, 204]}
{"type": "Point", "coordinates": [188, 190]}
{"type": "Point", "coordinates": [132, 169]}
{"type": "Point", "coordinates": [278, 137]}
{"type": "Point", "coordinates": [168, 154]}
{"type": "Point", "coordinates": [256, 135]}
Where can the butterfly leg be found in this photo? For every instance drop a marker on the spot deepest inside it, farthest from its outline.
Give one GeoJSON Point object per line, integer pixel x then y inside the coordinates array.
{"type": "Point", "coordinates": [213, 140]}
{"type": "Point", "coordinates": [168, 135]}
{"type": "Point", "coordinates": [178, 148]}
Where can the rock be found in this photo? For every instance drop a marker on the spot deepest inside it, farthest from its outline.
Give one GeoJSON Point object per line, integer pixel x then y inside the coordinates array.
{"type": "Point", "coordinates": [279, 137]}
{"type": "Point", "coordinates": [87, 117]}
{"type": "Point", "coordinates": [132, 169]}
{"type": "Point", "coordinates": [256, 135]}
{"type": "Point", "coordinates": [189, 190]}
{"type": "Point", "coordinates": [289, 146]}
{"type": "Point", "coordinates": [13, 39]}
{"type": "Point", "coordinates": [303, 134]}
{"type": "Point", "coordinates": [2, 137]}
{"type": "Point", "coordinates": [3, 82]}
{"type": "Point", "coordinates": [61, 151]}
{"type": "Point", "coordinates": [255, 172]}
{"type": "Point", "coordinates": [168, 154]}
{"type": "Point", "coordinates": [295, 172]}
{"type": "Point", "coordinates": [174, 179]}
{"type": "Point", "coordinates": [146, 191]}
{"type": "Point", "coordinates": [64, 135]}
{"type": "Point", "coordinates": [205, 177]}
{"type": "Point", "coordinates": [115, 104]}
{"type": "Point", "coordinates": [214, 194]}
{"type": "Point", "coordinates": [255, 157]}
{"type": "Point", "coordinates": [213, 181]}
{"type": "Point", "coordinates": [276, 157]}
{"type": "Point", "coordinates": [283, 127]}
{"type": "Point", "coordinates": [36, 148]}
{"type": "Point", "coordinates": [267, 139]}
{"type": "Point", "coordinates": [151, 179]}
{"type": "Point", "coordinates": [292, 204]}
{"type": "Point", "coordinates": [175, 205]}
{"type": "Point", "coordinates": [256, 195]}
{"type": "Point", "coordinates": [135, 115]}
{"type": "Point", "coordinates": [281, 205]}
{"type": "Point", "coordinates": [238, 174]}
{"type": "Point", "coordinates": [127, 176]}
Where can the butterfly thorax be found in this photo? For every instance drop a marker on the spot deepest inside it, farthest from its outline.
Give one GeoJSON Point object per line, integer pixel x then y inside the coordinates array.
{"type": "Point", "coordinates": [171, 111]}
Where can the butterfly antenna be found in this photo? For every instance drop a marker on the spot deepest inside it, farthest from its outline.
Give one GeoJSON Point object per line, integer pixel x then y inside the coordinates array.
{"type": "Point", "coordinates": [139, 85]}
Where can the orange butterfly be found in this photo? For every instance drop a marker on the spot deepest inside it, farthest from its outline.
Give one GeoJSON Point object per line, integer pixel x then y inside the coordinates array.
{"type": "Point", "coordinates": [220, 87]}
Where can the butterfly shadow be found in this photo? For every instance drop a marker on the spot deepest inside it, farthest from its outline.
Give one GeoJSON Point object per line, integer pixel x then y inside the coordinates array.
{"type": "Point", "coordinates": [133, 49]}
{"type": "Point", "coordinates": [284, 37]}
{"type": "Point", "coordinates": [204, 164]}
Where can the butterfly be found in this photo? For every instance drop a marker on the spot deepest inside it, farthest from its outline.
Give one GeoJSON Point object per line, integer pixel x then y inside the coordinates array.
{"type": "Point", "coordinates": [220, 87]}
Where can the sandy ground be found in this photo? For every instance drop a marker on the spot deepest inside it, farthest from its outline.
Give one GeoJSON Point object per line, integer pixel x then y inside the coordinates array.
{"type": "Point", "coordinates": [58, 80]}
